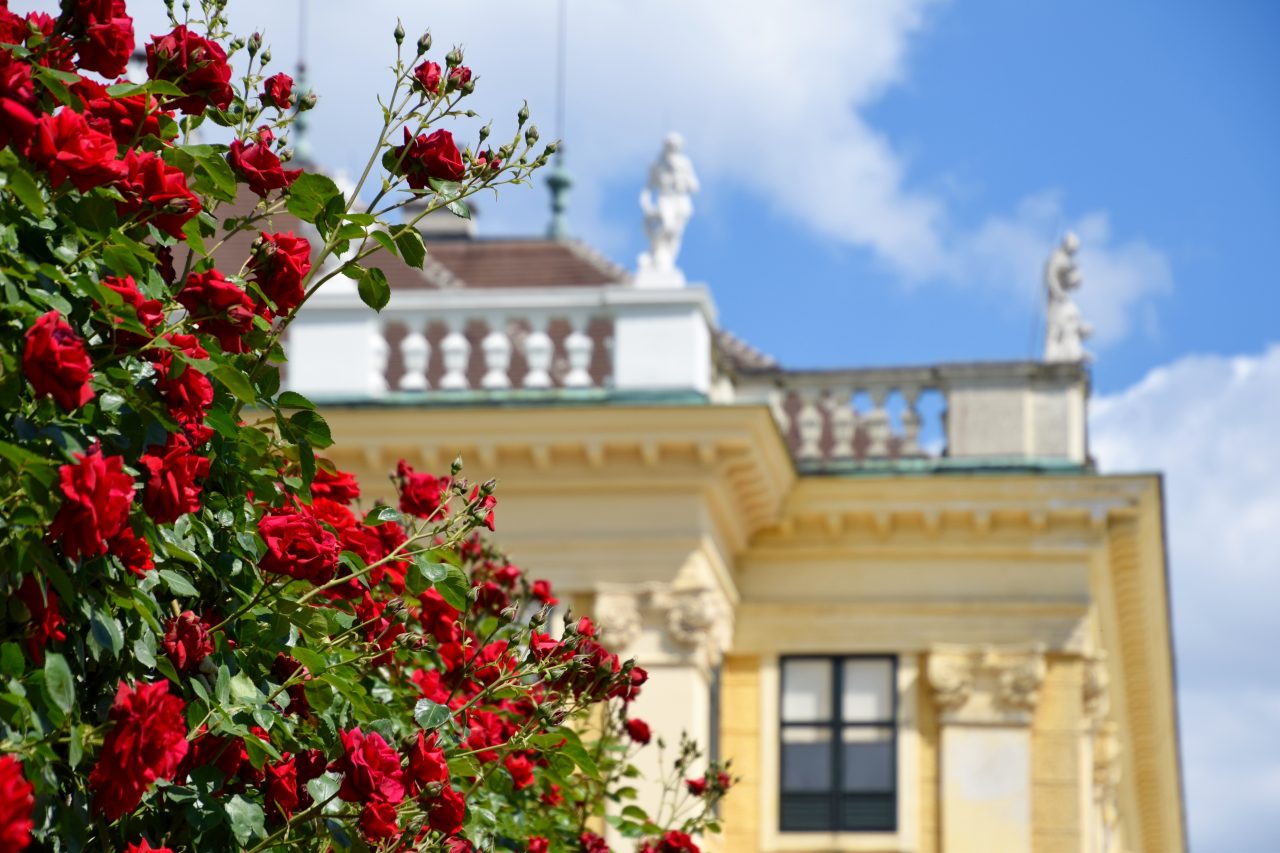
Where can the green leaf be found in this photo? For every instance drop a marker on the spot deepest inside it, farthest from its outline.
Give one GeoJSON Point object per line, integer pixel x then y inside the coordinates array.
{"type": "Point", "coordinates": [324, 788]}
{"type": "Point", "coordinates": [430, 715]}
{"type": "Point", "coordinates": [236, 382]}
{"type": "Point", "coordinates": [310, 658]}
{"type": "Point", "coordinates": [11, 662]}
{"type": "Point", "coordinates": [381, 515]}
{"type": "Point", "coordinates": [294, 400]}
{"type": "Point", "coordinates": [310, 195]}
{"type": "Point", "coordinates": [244, 691]}
{"type": "Point", "coordinates": [573, 748]}
{"type": "Point", "coordinates": [459, 209]}
{"type": "Point", "coordinates": [246, 818]}
{"type": "Point", "coordinates": [385, 240]}
{"type": "Point", "coordinates": [374, 289]}
{"type": "Point", "coordinates": [58, 682]}
{"type": "Point", "coordinates": [453, 588]}
{"type": "Point", "coordinates": [106, 632]}
{"type": "Point", "coordinates": [19, 183]}
{"type": "Point", "coordinates": [312, 427]}
{"type": "Point", "coordinates": [177, 583]}
{"type": "Point", "coordinates": [411, 246]}
{"type": "Point", "coordinates": [423, 575]}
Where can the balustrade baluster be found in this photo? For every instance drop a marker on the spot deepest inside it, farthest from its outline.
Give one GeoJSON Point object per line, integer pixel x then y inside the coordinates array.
{"type": "Point", "coordinates": [877, 420]}
{"type": "Point", "coordinates": [910, 421]}
{"type": "Point", "coordinates": [538, 352]}
{"type": "Point", "coordinates": [809, 422]}
{"type": "Point", "coordinates": [415, 352]}
{"type": "Point", "coordinates": [577, 347]}
{"type": "Point", "coordinates": [844, 423]}
{"type": "Point", "coordinates": [455, 352]}
{"type": "Point", "coordinates": [497, 356]}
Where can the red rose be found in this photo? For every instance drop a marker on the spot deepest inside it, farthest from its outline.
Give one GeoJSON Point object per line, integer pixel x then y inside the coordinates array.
{"type": "Point", "coordinates": [459, 77]}
{"type": "Point", "coordinates": [18, 103]}
{"type": "Point", "coordinates": [446, 811]}
{"type": "Point", "coordinates": [186, 391]}
{"type": "Point", "coordinates": [281, 793]}
{"type": "Point", "coordinates": [68, 149]}
{"type": "Point", "coordinates": [132, 551]}
{"type": "Point", "coordinates": [370, 769]}
{"type": "Point", "coordinates": [258, 166]}
{"type": "Point", "coordinates": [542, 592]}
{"type": "Point", "coordinates": [159, 193]}
{"type": "Point", "coordinates": [277, 91]}
{"type": "Point", "coordinates": [219, 308]}
{"type": "Point", "coordinates": [144, 847]}
{"type": "Point", "coordinates": [16, 804]}
{"type": "Point", "coordinates": [592, 843]}
{"type": "Point", "coordinates": [428, 76]}
{"type": "Point", "coordinates": [55, 362]}
{"type": "Point", "coordinates": [126, 119]}
{"type": "Point", "coordinates": [638, 730]}
{"type": "Point", "coordinates": [147, 741]}
{"type": "Point", "coordinates": [279, 264]}
{"type": "Point", "coordinates": [149, 313]}
{"type": "Point", "coordinates": [538, 844]}
{"type": "Point", "coordinates": [97, 494]}
{"type": "Point", "coordinates": [105, 35]}
{"type": "Point", "coordinates": [420, 494]}
{"type": "Point", "coordinates": [297, 546]}
{"type": "Point", "coordinates": [697, 787]}
{"type": "Point", "coordinates": [426, 157]}
{"type": "Point", "coordinates": [427, 764]}
{"type": "Point", "coordinates": [340, 486]}
{"type": "Point", "coordinates": [46, 620]}
{"type": "Point", "coordinates": [521, 770]}
{"type": "Point", "coordinates": [172, 488]}
{"type": "Point", "coordinates": [378, 821]}
{"type": "Point", "coordinates": [197, 65]}
{"type": "Point", "coordinates": [674, 841]}
{"type": "Point", "coordinates": [187, 641]}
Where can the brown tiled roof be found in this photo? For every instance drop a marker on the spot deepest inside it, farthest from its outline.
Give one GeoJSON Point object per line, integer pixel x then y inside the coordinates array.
{"type": "Point", "coordinates": [484, 263]}
{"type": "Point", "coordinates": [742, 356]}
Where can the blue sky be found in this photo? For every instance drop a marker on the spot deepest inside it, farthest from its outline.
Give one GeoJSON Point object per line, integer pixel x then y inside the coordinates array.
{"type": "Point", "coordinates": [882, 181]}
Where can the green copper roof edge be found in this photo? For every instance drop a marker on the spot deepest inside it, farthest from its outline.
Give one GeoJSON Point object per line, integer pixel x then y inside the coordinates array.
{"type": "Point", "coordinates": [512, 397]}
{"type": "Point", "coordinates": [941, 465]}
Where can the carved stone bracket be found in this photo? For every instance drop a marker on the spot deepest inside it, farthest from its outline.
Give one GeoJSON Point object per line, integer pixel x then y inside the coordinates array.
{"type": "Point", "coordinates": [1106, 772]}
{"type": "Point", "coordinates": [986, 685]}
{"type": "Point", "coordinates": [1096, 694]}
{"type": "Point", "coordinates": [662, 624]}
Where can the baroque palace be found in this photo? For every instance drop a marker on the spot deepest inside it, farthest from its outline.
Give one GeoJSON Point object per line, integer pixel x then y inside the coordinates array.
{"type": "Point", "coordinates": [901, 599]}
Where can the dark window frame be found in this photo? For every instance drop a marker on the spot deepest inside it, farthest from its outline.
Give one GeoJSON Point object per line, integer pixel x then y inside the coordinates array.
{"type": "Point", "coordinates": [837, 727]}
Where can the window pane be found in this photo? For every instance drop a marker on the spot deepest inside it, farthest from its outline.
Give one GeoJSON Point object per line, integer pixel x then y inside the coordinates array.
{"type": "Point", "coordinates": [868, 691]}
{"type": "Point", "coordinates": [806, 759]}
{"type": "Point", "coordinates": [806, 690]}
{"type": "Point", "coordinates": [868, 759]}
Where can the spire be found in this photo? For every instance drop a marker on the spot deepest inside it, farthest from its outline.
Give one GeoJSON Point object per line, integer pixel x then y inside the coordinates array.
{"type": "Point", "coordinates": [301, 144]}
{"type": "Point", "coordinates": [560, 181]}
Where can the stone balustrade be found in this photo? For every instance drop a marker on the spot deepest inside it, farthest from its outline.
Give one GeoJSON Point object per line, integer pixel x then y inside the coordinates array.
{"type": "Point", "coordinates": [492, 343]}
{"type": "Point", "coordinates": [1001, 411]}
{"type": "Point", "coordinates": [502, 340]}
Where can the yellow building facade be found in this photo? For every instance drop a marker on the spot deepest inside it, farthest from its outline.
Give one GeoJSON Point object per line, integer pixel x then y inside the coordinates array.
{"type": "Point", "coordinates": [900, 599]}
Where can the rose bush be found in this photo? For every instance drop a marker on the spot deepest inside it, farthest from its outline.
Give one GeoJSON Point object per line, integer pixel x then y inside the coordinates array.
{"type": "Point", "coordinates": [209, 643]}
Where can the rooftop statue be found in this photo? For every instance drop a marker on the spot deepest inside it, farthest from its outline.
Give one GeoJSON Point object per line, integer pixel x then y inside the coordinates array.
{"type": "Point", "coordinates": [667, 204]}
{"type": "Point", "coordinates": [1065, 331]}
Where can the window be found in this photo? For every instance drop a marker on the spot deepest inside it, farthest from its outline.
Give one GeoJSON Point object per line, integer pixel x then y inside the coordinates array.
{"type": "Point", "coordinates": [839, 744]}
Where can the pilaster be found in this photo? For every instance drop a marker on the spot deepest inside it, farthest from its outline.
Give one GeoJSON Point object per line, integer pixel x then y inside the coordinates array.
{"type": "Point", "coordinates": [986, 699]}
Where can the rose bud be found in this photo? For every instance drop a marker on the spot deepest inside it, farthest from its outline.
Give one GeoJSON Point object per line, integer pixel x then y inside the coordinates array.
{"type": "Point", "coordinates": [531, 135]}
{"type": "Point", "coordinates": [399, 32]}
{"type": "Point", "coordinates": [523, 115]}
{"type": "Point", "coordinates": [255, 43]}
{"type": "Point", "coordinates": [424, 43]}
{"type": "Point", "coordinates": [454, 57]}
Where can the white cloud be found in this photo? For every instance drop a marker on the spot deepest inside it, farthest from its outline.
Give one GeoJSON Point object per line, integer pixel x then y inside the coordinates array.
{"type": "Point", "coordinates": [770, 97]}
{"type": "Point", "coordinates": [1209, 423]}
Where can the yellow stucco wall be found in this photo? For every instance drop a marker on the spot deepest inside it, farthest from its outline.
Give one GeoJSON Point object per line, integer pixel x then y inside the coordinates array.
{"type": "Point", "coordinates": [740, 740]}
{"type": "Point", "coordinates": [930, 821]}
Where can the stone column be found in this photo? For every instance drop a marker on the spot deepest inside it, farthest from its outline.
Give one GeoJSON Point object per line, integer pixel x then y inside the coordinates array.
{"type": "Point", "coordinates": [1104, 744]}
{"type": "Point", "coordinates": [986, 698]}
{"type": "Point", "coordinates": [679, 635]}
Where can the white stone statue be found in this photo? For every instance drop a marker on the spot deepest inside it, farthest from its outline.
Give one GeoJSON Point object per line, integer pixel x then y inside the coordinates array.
{"type": "Point", "coordinates": [1065, 331]}
{"type": "Point", "coordinates": [667, 204]}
